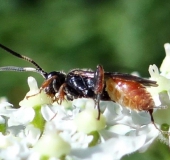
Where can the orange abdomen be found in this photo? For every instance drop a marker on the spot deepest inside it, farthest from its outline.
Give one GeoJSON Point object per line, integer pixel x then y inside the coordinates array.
{"type": "Point", "coordinates": [129, 94]}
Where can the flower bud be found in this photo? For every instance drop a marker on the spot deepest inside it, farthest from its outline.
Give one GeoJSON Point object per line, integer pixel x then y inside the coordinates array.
{"type": "Point", "coordinates": [87, 121]}
{"type": "Point", "coordinates": [52, 145]}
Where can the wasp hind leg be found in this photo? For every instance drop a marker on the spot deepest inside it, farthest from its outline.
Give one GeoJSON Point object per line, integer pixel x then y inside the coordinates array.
{"type": "Point", "coordinates": [98, 87]}
{"type": "Point", "coordinates": [153, 122]}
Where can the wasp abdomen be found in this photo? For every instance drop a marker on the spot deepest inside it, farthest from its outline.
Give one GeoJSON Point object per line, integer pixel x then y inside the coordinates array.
{"type": "Point", "coordinates": [129, 94]}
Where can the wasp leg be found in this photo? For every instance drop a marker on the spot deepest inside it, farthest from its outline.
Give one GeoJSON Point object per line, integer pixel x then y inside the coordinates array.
{"type": "Point", "coordinates": [97, 104]}
{"type": "Point", "coordinates": [153, 122]}
{"type": "Point", "coordinates": [44, 85]}
{"type": "Point", "coordinates": [34, 94]}
{"type": "Point", "coordinates": [98, 86]}
{"type": "Point", "coordinates": [61, 94]}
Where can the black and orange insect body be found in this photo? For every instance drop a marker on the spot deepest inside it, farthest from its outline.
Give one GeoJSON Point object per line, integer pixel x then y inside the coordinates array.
{"type": "Point", "coordinates": [124, 89]}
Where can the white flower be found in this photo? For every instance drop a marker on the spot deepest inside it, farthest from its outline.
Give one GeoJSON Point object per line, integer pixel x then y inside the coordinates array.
{"type": "Point", "coordinates": [63, 122]}
{"type": "Point", "coordinates": [165, 66]}
{"type": "Point", "coordinates": [162, 81]}
{"type": "Point", "coordinates": [35, 97]}
{"type": "Point", "coordinates": [21, 116]}
{"type": "Point", "coordinates": [12, 147]}
{"type": "Point", "coordinates": [6, 109]}
{"type": "Point", "coordinates": [30, 135]}
{"type": "Point", "coordinates": [113, 149]}
{"type": "Point", "coordinates": [53, 145]}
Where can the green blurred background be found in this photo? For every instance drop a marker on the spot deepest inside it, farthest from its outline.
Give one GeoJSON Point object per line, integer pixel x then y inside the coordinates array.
{"type": "Point", "coordinates": [122, 35]}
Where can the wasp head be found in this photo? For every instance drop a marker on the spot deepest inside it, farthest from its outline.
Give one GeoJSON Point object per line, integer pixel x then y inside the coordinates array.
{"type": "Point", "coordinates": [54, 80]}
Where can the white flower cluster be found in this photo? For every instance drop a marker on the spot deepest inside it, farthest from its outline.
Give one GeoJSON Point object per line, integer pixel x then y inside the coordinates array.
{"type": "Point", "coordinates": [40, 129]}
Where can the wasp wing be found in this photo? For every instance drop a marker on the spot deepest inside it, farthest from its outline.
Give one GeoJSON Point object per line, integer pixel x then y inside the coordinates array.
{"type": "Point", "coordinates": [129, 77]}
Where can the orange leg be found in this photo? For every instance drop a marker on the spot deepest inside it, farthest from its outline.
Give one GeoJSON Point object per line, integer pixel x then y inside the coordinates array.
{"type": "Point", "coordinates": [44, 85]}
{"type": "Point", "coordinates": [61, 94]}
{"type": "Point", "coordinates": [34, 94]}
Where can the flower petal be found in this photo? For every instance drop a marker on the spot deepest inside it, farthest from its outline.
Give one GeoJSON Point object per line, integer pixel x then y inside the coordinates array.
{"type": "Point", "coordinates": [21, 116]}
{"type": "Point", "coordinates": [114, 148]}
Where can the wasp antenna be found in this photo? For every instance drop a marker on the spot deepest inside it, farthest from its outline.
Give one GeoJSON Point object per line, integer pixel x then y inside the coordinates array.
{"type": "Point", "coordinates": [22, 69]}
{"type": "Point", "coordinates": [24, 58]}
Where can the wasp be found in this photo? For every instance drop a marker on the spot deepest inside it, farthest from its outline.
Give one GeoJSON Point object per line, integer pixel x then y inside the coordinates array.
{"type": "Point", "coordinates": [125, 89]}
